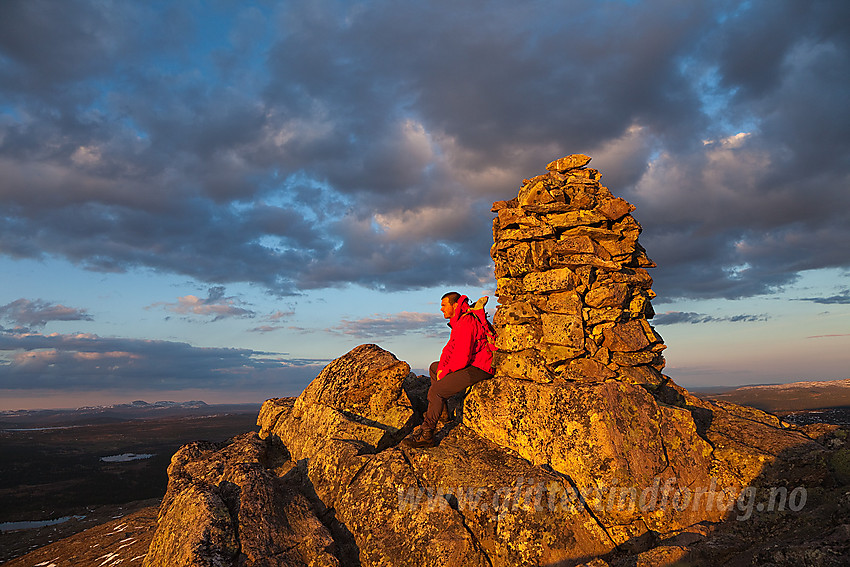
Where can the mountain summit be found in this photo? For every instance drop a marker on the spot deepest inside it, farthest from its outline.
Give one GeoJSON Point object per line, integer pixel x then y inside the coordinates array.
{"type": "Point", "coordinates": [578, 451]}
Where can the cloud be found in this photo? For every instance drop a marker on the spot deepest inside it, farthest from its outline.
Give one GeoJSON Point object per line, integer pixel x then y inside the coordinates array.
{"type": "Point", "coordinates": [265, 329]}
{"type": "Point", "coordinates": [89, 362]}
{"type": "Point", "coordinates": [280, 316]}
{"type": "Point", "coordinates": [216, 305]}
{"type": "Point", "coordinates": [308, 146]}
{"type": "Point", "coordinates": [36, 313]}
{"type": "Point", "coordinates": [842, 298]}
{"type": "Point", "coordinates": [275, 319]}
{"type": "Point", "coordinates": [676, 317]}
{"type": "Point", "coordinates": [390, 325]}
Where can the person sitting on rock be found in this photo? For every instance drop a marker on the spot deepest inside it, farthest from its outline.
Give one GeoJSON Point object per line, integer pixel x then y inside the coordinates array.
{"type": "Point", "coordinates": [465, 360]}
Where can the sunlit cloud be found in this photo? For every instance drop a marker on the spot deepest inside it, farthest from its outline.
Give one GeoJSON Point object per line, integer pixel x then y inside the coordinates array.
{"type": "Point", "coordinates": [734, 141]}
{"type": "Point", "coordinates": [216, 305]}
{"type": "Point", "coordinates": [86, 156]}
{"type": "Point", "coordinates": [37, 313]}
{"type": "Point", "coordinates": [389, 325]}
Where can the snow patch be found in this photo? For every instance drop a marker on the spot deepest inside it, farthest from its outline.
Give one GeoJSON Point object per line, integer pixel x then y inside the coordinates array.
{"type": "Point", "coordinates": [109, 558]}
{"type": "Point", "coordinates": [125, 542]}
{"type": "Point", "coordinates": [12, 526]}
{"type": "Point", "coordinates": [12, 430]}
{"type": "Point", "coordinates": [125, 457]}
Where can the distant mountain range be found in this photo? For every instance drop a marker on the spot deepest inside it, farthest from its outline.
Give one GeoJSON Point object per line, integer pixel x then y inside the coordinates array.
{"type": "Point", "coordinates": [141, 404]}
{"type": "Point", "coordinates": [796, 396]}
{"type": "Point", "coordinates": [139, 409]}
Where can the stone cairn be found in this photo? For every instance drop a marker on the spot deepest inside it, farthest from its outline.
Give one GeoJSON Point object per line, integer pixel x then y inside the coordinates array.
{"type": "Point", "coordinates": [574, 294]}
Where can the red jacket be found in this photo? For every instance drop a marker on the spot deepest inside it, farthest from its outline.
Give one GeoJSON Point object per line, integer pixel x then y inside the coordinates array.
{"type": "Point", "coordinates": [467, 344]}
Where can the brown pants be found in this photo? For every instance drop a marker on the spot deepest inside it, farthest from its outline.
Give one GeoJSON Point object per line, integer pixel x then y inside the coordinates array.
{"type": "Point", "coordinates": [446, 387]}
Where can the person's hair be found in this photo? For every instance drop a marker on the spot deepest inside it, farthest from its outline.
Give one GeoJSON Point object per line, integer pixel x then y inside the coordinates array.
{"type": "Point", "coordinates": [452, 295]}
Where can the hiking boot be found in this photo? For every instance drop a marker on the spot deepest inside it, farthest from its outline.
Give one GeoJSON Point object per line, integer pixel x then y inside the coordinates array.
{"type": "Point", "coordinates": [420, 437]}
{"type": "Point", "coordinates": [445, 417]}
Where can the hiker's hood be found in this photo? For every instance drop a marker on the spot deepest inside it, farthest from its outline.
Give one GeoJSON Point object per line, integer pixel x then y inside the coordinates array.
{"type": "Point", "coordinates": [462, 307]}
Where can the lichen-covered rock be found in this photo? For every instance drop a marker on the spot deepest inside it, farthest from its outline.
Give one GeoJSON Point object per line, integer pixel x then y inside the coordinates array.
{"type": "Point", "coordinates": [458, 504]}
{"type": "Point", "coordinates": [600, 435]}
{"type": "Point", "coordinates": [195, 530]}
{"type": "Point", "coordinates": [647, 464]}
{"type": "Point", "coordinates": [536, 473]}
{"type": "Point", "coordinates": [339, 428]}
{"type": "Point", "coordinates": [366, 493]}
{"type": "Point", "coordinates": [232, 504]}
{"type": "Point", "coordinates": [519, 513]}
{"type": "Point", "coordinates": [365, 384]}
{"type": "Point", "coordinates": [525, 364]}
{"type": "Point", "coordinates": [564, 330]}
{"type": "Point", "coordinates": [566, 237]}
{"type": "Point", "coordinates": [574, 161]}
{"type": "Point", "coordinates": [578, 447]}
{"type": "Point", "coordinates": [359, 396]}
{"type": "Point", "coordinates": [562, 279]}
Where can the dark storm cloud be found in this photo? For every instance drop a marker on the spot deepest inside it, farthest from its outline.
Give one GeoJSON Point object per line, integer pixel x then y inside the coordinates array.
{"type": "Point", "coordinates": [748, 213]}
{"type": "Point", "coordinates": [36, 313]}
{"type": "Point", "coordinates": [47, 44]}
{"type": "Point", "coordinates": [84, 361]}
{"type": "Point", "coordinates": [676, 317]}
{"type": "Point", "coordinates": [313, 144]}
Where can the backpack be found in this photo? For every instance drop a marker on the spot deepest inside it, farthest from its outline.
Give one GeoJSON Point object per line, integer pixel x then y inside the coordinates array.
{"type": "Point", "coordinates": [480, 315]}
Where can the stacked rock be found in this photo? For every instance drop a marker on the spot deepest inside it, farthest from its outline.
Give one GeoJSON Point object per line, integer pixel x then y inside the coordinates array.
{"type": "Point", "coordinates": [574, 293]}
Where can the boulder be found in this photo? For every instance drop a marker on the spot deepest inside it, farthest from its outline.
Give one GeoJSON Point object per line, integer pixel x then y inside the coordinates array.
{"type": "Point", "coordinates": [615, 209]}
{"type": "Point", "coordinates": [562, 279]}
{"type": "Point", "coordinates": [358, 396]}
{"type": "Point", "coordinates": [569, 162]}
{"type": "Point", "coordinates": [232, 503]}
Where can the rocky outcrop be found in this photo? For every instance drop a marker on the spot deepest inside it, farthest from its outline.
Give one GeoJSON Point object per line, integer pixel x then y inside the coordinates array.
{"type": "Point", "coordinates": [574, 334]}
{"type": "Point", "coordinates": [387, 503]}
{"type": "Point", "coordinates": [237, 502]}
{"type": "Point", "coordinates": [324, 484]}
{"type": "Point", "coordinates": [578, 448]}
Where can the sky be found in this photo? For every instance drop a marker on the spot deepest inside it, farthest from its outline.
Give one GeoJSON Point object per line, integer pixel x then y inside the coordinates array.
{"type": "Point", "coordinates": [213, 199]}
